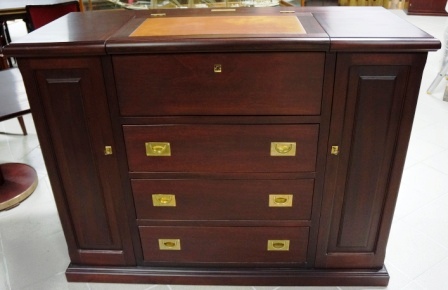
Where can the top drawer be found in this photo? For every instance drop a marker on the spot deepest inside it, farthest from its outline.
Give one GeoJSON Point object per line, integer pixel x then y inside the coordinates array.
{"type": "Point", "coordinates": [220, 84]}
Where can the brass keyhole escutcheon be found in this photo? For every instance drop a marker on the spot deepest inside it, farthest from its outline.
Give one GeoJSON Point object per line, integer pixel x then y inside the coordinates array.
{"type": "Point", "coordinates": [334, 150]}
{"type": "Point", "coordinates": [217, 68]}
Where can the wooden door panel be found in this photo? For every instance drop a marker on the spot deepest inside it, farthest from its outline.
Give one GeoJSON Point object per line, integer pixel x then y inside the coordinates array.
{"type": "Point", "coordinates": [371, 125]}
{"type": "Point", "coordinates": [71, 114]}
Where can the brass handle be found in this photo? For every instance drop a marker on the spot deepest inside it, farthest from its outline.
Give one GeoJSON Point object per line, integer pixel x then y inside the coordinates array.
{"type": "Point", "coordinates": [158, 149]}
{"type": "Point", "coordinates": [169, 244]}
{"type": "Point", "coordinates": [164, 200]}
{"type": "Point", "coordinates": [280, 200]}
{"type": "Point", "coordinates": [278, 245]}
{"type": "Point", "coordinates": [283, 148]}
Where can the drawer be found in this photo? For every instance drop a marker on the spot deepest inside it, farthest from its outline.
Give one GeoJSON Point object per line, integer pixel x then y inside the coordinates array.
{"type": "Point", "coordinates": [221, 148]}
{"type": "Point", "coordinates": [220, 84]}
{"type": "Point", "coordinates": [191, 245]}
{"type": "Point", "coordinates": [223, 199]}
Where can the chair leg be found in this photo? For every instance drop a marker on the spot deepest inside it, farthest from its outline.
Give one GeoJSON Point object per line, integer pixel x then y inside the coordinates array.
{"type": "Point", "coordinates": [22, 125]}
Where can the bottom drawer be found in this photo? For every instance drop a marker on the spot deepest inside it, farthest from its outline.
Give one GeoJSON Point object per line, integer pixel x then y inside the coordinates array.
{"type": "Point", "coordinates": [190, 245]}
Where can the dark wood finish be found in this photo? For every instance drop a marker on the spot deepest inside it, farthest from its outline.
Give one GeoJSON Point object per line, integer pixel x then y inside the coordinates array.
{"type": "Point", "coordinates": [427, 7]}
{"type": "Point", "coordinates": [350, 81]}
{"type": "Point", "coordinates": [250, 94]}
{"type": "Point", "coordinates": [221, 148]}
{"type": "Point", "coordinates": [223, 199]}
{"type": "Point", "coordinates": [357, 191]}
{"type": "Point", "coordinates": [212, 245]}
{"type": "Point", "coordinates": [229, 276]}
{"type": "Point", "coordinates": [69, 88]}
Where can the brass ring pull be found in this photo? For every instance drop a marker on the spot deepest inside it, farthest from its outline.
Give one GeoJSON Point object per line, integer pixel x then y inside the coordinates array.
{"type": "Point", "coordinates": [278, 245]}
{"type": "Point", "coordinates": [164, 200]}
{"type": "Point", "coordinates": [158, 149]}
{"type": "Point", "coordinates": [169, 244]}
{"type": "Point", "coordinates": [280, 200]}
{"type": "Point", "coordinates": [283, 148]}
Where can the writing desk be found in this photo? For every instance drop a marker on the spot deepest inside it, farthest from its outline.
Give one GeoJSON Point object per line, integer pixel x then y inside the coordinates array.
{"type": "Point", "coordinates": [240, 156]}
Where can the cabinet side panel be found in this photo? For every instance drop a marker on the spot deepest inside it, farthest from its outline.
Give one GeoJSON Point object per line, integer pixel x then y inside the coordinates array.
{"type": "Point", "coordinates": [372, 143]}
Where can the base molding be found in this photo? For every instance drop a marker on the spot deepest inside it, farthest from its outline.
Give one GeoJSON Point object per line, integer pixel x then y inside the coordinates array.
{"type": "Point", "coordinates": [229, 276]}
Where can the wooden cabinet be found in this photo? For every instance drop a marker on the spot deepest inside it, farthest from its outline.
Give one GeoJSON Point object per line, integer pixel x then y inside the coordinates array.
{"type": "Point", "coordinates": [427, 7]}
{"type": "Point", "coordinates": [237, 159]}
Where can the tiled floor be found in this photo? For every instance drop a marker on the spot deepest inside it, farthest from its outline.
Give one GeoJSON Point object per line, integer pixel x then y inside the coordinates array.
{"type": "Point", "coordinates": [33, 254]}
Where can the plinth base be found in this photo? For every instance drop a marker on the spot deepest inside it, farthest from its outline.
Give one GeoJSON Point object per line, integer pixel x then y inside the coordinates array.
{"type": "Point", "coordinates": [17, 183]}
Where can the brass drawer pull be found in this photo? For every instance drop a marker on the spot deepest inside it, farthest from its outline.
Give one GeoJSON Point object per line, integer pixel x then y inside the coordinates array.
{"type": "Point", "coordinates": [280, 200]}
{"type": "Point", "coordinates": [169, 244]}
{"type": "Point", "coordinates": [283, 148]}
{"type": "Point", "coordinates": [164, 200]}
{"type": "Point", "coordinates": [278, 245]}
{"type": "Point", "coordinates": [158, 149]}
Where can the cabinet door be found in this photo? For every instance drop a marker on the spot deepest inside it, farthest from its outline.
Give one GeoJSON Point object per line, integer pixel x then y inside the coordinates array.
{"type": "Point", "coordinates": [70, 109]}
{"type": "Point", "coordinates": [373, 107]}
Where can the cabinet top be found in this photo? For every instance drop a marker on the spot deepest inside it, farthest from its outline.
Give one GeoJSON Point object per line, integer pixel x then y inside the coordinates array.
{"type": "Point", "coordinates": [213, 30]}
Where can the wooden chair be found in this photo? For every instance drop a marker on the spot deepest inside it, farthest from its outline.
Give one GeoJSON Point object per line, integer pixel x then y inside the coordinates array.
{"type": "Point", "coordinates": [6, 78]}
{"type": "Point", "coordinates": [39, 15]}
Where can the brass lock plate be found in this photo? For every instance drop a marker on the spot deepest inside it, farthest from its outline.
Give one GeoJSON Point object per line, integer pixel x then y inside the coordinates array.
{"type": "Point", "coordinates": [217, 68]}
{"type": "Point", "coordinates": [169, 244]}
{"type": "Point", "coordinates": [278, 245]}
{"type": "Point", "coordinates": [164, 200]}
{"type": "Point", "coordinates": [283, 148]}
{"type": "Point", "coordinates": [156, 149]}
{"type": "Point", "coordinates": [108, 150]}
{"type": "Point", "coordinates": [280, 200]}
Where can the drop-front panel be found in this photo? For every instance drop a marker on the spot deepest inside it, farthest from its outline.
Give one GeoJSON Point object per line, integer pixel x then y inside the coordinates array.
{"type": "Point", "coordinates": [186, 153]}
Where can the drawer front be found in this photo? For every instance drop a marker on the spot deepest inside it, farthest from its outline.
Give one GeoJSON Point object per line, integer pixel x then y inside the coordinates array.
{"type": "Point", "coordinates": [221, 148]}
{"type": "Point", "coordinates": [223, 199]}
{"type": "Point", "coordinates": [225, 244]}
{"type": "Point", "coordinates": [220, 84]}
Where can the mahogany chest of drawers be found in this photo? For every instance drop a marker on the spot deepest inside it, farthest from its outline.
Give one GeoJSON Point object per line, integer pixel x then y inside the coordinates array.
{"type": "Point", "coordinates": [237, 147]}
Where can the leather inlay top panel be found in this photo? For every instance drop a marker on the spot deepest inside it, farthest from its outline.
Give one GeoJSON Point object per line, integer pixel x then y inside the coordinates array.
{"type": "Point", "coordinates": [218, 25]}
